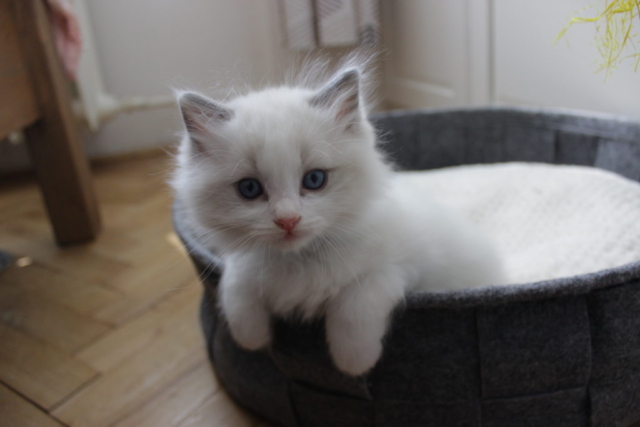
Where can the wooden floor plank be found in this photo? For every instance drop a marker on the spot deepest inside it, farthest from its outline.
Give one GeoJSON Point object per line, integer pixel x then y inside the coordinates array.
{"type": "Point", "coordinates": [80, 296]}
{"type": "Point", "coordinates": [176, 402]}
{"type": "Point", "coordinates": [161, 261]}
{"type": "Point", "coordinates": [135, 381]}
{"type": "Point", "coordinates": [18, 200]}
{"type": "Point", "coordinates": [16, 411]}
{"type": "Point", "coordinates": [219, 410]}
{"type": "Point", "coordinates": [78, 262]}
{"type": "Point", "coordinates": [39, 371]}
{"type": "Point", "coordinates": [150, 226]}
{"type": "Point", "coordinates": [113, 244]}
{"type": "Point", "coordinates": [46, 320]}
{"type": "Point", "coordinates": [166, 283]}
{"type": "Point", "coordinates": [176, 316]}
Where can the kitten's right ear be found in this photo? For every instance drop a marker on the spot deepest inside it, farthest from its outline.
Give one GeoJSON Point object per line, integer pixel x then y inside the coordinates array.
{"type": "Point", "coordinates": [342, 94]}
{"type": "Point", "coordinates": [202, 117]}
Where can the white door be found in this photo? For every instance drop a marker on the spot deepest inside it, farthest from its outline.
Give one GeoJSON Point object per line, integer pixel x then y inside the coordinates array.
{"type": "Point", "coordinates": [438, 52]}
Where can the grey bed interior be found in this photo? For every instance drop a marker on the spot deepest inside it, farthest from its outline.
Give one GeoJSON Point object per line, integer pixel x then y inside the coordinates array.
{"type": "Point", "coordinates": [560, 353]}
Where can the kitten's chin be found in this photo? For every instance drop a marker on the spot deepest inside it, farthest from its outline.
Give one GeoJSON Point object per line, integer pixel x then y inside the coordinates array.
{"type": "Point", "coordinates": [292, 243]}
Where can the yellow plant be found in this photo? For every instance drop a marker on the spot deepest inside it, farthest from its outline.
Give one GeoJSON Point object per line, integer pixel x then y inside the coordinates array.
{"type": "Point", "coordinates": [615, 38]}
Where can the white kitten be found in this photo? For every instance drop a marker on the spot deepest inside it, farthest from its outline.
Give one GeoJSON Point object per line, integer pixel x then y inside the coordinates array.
{"type": "Point", "coordinates": [287, 185]}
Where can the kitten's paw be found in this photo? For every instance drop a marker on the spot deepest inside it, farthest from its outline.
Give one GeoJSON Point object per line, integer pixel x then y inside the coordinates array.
{"type": "Point", "coordinates": [355, 358]}
{"type": "Point", "coordinates": [251, 335]}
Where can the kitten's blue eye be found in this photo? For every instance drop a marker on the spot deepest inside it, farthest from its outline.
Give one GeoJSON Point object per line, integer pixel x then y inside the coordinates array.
{"type": "Point", "coordinates": [314, 180]}
{"type": "Point", "coordinates": [250, 188]}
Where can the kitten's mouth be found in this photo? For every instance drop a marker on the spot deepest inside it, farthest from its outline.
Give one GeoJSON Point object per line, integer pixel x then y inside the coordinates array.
{"type": "Point", "coordinates": [290, 236]}
{"type": "Point", "coordinates": [293, 240]}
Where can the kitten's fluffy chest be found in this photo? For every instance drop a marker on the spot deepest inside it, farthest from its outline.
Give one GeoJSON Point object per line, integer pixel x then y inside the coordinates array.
{"type": "Point", "coordinates": [302, 284]}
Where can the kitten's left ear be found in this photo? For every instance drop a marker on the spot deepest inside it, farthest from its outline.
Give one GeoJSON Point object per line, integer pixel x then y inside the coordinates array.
{"type": "Point", "coordinates": [202, 117]}
{"type": "Point", "coordinates": [342, 95]}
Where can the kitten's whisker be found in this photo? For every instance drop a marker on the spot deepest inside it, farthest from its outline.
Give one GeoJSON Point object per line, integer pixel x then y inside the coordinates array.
{"type": "Point", "coordinates": [347, 262]}
{"type": "Point", "coordinates": [209, 235]}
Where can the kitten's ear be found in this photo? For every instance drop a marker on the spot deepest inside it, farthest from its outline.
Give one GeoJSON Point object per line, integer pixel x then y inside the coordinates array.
{"type": "Point", "coordinates": [202, 117]}
{"type": "Point", "coordinates": [342, 95]}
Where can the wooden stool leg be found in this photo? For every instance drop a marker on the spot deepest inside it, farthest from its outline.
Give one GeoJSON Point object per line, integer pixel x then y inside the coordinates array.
{"type": "Point", "coordinates": [55, 145]}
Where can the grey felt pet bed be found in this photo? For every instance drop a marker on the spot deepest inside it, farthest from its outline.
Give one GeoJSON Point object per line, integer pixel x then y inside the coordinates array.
{"type": "Point", "coordinates": [563, 353]}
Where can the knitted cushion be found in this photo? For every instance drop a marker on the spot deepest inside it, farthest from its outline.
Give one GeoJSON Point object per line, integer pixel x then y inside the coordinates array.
{"type": "Point", "coordinates": [549, 221]}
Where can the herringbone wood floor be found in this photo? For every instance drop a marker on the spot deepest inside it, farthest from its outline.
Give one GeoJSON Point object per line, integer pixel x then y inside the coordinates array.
{"type": "Point", "coordinates": [104, 334]}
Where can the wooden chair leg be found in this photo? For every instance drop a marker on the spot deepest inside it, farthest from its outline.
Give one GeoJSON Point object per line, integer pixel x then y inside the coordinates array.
{"type": "Point", "coordinates": [54, 143]}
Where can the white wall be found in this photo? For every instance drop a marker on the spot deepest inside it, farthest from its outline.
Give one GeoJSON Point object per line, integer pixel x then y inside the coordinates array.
{"type": "Point", "coordinates": [470, 52]}
{"type": "Point", "coordinates": [146, 46]}
{"type": "Point", "coordinates": [528, 69]}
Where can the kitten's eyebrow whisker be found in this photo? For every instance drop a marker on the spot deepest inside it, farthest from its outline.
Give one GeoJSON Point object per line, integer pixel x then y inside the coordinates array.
{"type": "Point", "coordinates": [236, 167]}
{"type": "Point", "coordinates": [349, 140]}
{"type": "Point", "coordinates": [321, 152]}
{"type": "Point", "coordinates": [337, 127]}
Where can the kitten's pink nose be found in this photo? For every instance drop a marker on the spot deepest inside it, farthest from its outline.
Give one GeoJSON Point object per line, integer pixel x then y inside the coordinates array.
{"type": "Point", "coordinates": [287, 224]}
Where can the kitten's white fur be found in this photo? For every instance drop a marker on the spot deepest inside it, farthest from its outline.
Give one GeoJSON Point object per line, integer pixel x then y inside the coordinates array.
{"type": "Point", "coordinates": [364, 239]}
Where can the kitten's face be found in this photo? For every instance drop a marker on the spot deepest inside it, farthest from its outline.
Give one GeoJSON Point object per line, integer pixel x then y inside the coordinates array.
{"type": "Point", "coordinates": [282, 168]}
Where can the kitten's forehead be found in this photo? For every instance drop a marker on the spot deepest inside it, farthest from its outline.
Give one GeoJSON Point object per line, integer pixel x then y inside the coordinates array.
{"type": "Point", "coordinates": [279, 124]}
{"type": "Point", "coordinates": [277, 112]}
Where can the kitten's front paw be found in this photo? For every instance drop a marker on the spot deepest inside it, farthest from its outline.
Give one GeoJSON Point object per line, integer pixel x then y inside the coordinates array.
{"type": "Point", "coordinates": [251, 335]}
{"type": "Point", "coordinates": [355, 358]}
